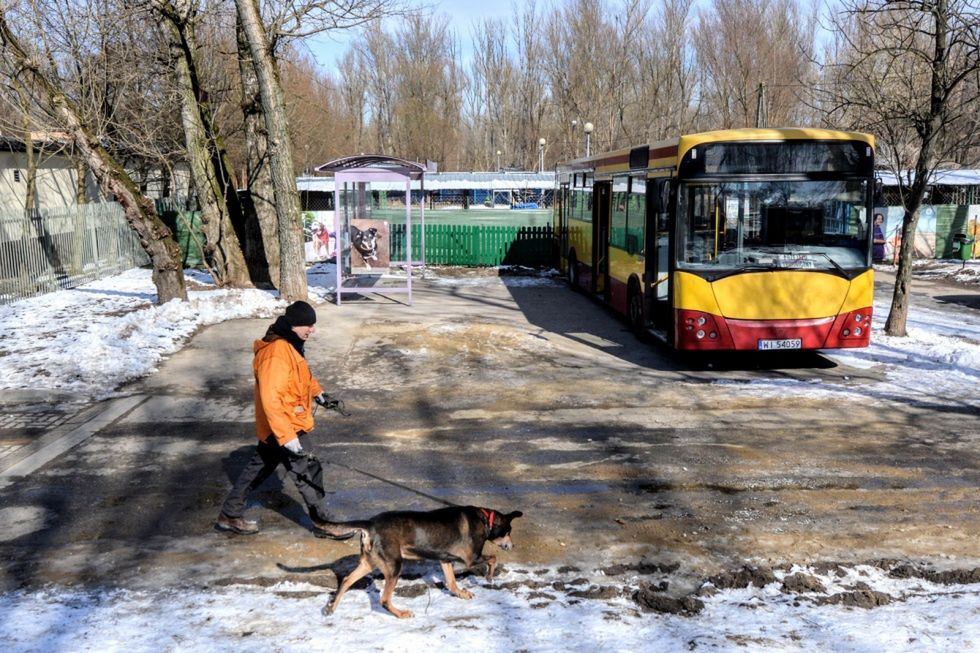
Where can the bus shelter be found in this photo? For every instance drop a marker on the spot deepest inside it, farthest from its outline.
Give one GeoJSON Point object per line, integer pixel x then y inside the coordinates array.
{"type": "Point", "coordinates": [364, 244]}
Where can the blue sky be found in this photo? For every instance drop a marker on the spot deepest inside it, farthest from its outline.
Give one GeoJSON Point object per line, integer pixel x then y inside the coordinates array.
{"type": "Point", "coordinates": [463, 14]}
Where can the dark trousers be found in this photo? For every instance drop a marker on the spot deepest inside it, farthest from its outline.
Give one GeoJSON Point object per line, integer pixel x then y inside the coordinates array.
{"type": "Point", "coordinates": [304, 469]}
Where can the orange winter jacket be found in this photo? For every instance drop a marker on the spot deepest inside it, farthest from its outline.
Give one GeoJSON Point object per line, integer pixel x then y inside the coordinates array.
{"type": "Point", "coordinates": [284, 390]}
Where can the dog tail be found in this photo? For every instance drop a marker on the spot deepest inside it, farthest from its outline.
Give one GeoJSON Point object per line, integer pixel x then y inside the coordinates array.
{"type": "Point", "coordinates": [345, 529]}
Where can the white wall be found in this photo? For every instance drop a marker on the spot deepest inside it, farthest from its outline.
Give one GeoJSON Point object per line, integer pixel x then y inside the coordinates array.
{"type": "Point", "coordinates": [55, 180]}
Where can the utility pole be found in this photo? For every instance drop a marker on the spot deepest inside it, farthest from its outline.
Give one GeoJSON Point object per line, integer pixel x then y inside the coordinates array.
{"type": "Point", "coordinates": [761, 117]}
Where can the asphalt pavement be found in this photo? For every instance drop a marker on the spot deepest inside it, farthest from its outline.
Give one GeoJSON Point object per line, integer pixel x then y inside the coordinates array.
{"type": "Point", "coordinates": [512, 397]}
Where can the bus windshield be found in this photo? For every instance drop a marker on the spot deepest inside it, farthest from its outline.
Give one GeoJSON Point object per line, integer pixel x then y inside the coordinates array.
{"type": "Point", "coordinates": [777, 224]}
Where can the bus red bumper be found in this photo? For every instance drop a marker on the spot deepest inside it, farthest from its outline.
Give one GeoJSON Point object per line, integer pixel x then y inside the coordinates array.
{"type": "Point", "coordinates": [696, 330]}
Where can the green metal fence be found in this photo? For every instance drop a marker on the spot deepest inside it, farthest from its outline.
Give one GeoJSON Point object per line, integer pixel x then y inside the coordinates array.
{"type": "Point", "coordinates": [453, 244]}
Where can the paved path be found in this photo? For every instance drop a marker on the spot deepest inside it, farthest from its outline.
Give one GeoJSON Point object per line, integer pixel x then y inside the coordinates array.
{"type": "Point", "coordinates": [530, 398]}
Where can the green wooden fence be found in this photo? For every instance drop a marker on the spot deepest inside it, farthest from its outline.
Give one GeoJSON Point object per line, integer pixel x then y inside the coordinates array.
{"type": "Point", "coordinates": [453, 244]}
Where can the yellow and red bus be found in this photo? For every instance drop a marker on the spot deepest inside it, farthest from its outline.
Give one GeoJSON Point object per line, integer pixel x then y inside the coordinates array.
{"type": "Point", "coordinates": [744, 239]}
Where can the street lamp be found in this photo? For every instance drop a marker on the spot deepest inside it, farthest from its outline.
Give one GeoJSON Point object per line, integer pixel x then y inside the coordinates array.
{"type": "Point", "coordinates": [498, 160]}
{"type": "Point", "coordinates": [575, 138]}
{"type": "Point", "coordinates": [588, 138]}
{"type": "Point", "coordinates": [541, 143]}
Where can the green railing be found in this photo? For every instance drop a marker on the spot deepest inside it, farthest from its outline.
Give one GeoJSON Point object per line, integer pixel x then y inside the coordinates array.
{"type": "Point", "coordinates": [451, 244]}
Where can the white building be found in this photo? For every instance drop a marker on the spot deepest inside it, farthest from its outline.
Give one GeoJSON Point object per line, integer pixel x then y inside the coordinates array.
{"type": "Point", "coordinates": [56, 180]}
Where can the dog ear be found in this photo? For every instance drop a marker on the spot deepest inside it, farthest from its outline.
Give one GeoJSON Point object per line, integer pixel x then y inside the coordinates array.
{"type": "Point", "coordinates": [515, 515]}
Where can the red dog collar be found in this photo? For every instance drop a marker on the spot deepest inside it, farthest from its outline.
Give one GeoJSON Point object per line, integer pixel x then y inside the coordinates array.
{"type": "Point", "coordinates": [488, 516]}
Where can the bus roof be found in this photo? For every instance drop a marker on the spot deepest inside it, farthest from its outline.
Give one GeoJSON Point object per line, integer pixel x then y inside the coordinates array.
{"type": "Point", "coordinates": [667, 153]}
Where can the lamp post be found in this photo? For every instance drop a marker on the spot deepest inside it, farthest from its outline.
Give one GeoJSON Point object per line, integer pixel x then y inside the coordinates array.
{"type": "Point", "coordinates": [541, 144]}
{"type": "Point", "coordinates": [498, 160]}
{"type": "Point", "coordinates": [588, 138]}
{"type": "Point", "coordinates": [574, 137]}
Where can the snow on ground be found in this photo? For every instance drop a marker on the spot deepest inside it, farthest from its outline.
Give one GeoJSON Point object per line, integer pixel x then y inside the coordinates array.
{"type": "Point", "coordinates": [91, 340]}
{"type": "Point", "coordinates": [920, 616]}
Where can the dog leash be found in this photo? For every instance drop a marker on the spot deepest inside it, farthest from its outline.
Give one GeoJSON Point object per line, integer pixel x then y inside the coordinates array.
{"type": "Point", "coordinates": [390, 482]}
{"type": "Point", "coordinates": [332, 403]}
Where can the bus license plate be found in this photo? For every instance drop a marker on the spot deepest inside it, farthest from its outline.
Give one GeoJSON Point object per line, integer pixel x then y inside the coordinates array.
{"type": "Point", "coordinates": [793, 343]}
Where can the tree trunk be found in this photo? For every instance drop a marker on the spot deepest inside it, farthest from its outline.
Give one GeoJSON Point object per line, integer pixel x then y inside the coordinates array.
{"type": "Point", "coordinates": [262, 229]}
{"type": "Point", "coordinates": [899, 311]}
{"type": "Point", "coordinates": [222, 249]}
{"type": "Point", "coordinates": [928, 129]}
{"type": "Point", "coordinates": [81, 179]}
{"type": "Point", "coordinates": [30, 190]}
{"type": "Point", "coordinates": [292, 261]}
{"type": "Point", "coordinates": [155, 237]}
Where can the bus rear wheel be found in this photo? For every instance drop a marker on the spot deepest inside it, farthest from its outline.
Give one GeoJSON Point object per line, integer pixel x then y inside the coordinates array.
{"type": "Point", "coordinates": [634, 309]}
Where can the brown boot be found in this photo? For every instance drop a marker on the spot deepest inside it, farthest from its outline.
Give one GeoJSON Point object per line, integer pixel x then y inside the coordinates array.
{"type": "Point", "coordinates": [328, 530]}
{"type": "Point", "coordinates": [238, 525]}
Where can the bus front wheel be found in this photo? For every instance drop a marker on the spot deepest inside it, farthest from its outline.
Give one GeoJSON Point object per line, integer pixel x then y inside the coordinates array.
{"type": "Point", "coordinates": [573, 270]}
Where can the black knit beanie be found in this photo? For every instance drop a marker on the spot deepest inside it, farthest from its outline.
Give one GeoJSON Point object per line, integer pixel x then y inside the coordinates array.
{"type": "Point", "coordinates": [300, 314]}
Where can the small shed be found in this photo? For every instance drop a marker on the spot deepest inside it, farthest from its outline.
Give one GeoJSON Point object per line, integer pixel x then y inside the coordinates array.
{"type": "Point", "coordinates": [364, 255]}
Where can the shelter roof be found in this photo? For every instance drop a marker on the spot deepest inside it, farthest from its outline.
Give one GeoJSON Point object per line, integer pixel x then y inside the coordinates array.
{"type": "Point", "coordinates": [451, 181]}
{"type": "Point", "coordinates": [390, 164]}
{"type": "Point", "coordinates": [963, 177]}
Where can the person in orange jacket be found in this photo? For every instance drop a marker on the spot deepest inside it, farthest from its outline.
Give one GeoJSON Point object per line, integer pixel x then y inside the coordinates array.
{"type": "Point", "coordinates": [284, 392]}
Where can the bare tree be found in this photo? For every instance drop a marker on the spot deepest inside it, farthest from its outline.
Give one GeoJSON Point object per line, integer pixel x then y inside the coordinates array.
{"type": "Point", "coordinates": [37, 67]}
{"type": "Point", "coordinates": [262, 248]}
{"type": "Point", "coordinates": [490, 92]}
{"type": "Point", "coordinates": [292, 273]}
{"type": "Point", "coordinates": [580, 59]}
{"type": "Point", "coordinates": [354, 97]}
{"type": "Point", "coordinates": [379, 61]}
{"type": "Point", "coordinates": [214, 181]}
{"type": "Point", "coordinates": [427, 86]}
{"type": "Point", "coordinates": [530, 88]}
{"type": "Point", "coordinates": [755, 54]}
{"type": "Point", "coordinates": [667, 75]}
{"type": "Point", "coordinates": [907, 72]}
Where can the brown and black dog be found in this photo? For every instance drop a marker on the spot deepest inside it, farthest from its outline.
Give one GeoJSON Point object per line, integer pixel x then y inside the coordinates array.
{"type": "Point", "coordinates": [454, 534]}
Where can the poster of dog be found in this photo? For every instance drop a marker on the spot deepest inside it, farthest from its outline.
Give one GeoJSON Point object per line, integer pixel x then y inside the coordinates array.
{"type": "Point", "coordinates": [370, 245]}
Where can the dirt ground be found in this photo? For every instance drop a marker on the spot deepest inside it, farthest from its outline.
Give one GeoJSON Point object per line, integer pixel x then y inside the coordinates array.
{"type": "Point", "coordinates": [526, 397]}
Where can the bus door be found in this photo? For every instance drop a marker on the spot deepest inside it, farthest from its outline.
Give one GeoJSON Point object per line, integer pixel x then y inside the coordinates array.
{"type": "Point", "coordinates": [561, 225]}
{"type": "Point", "coordinates": [600, 238]}
{"type": "Point", "coordinates": [657, 273]}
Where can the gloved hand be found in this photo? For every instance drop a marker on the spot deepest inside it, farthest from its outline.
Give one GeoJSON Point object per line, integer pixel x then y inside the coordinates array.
{"type": "Point", "coordinates": [326, 401]}
{"type": "Point", "coordinates": [331, 403]}
{"type": "Point", "coordinates": [294, 446]}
